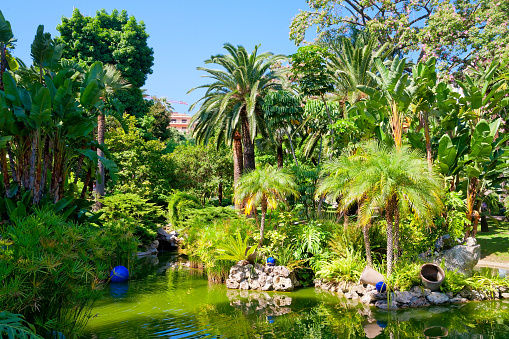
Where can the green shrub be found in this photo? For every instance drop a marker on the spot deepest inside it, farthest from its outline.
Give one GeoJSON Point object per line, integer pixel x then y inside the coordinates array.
{"type": "Point", "coordinates": [178, 203]}
{"type": "Point", "coordinates": [207, 215]}
{"type": "Point", "coordinates": [348, 267]}
{"type": "Point", "coordinates": [52, 269]}
{"type": "Point", "coordinates": [134, 213]}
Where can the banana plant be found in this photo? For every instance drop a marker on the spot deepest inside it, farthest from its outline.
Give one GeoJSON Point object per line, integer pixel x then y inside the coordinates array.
{"type": "Point", "coordinates": [392, 94]}
{"type": "Point", "coordinates": [480, 156]}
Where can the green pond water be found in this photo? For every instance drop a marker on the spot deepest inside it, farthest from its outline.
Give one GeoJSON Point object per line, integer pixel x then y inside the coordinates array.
{"type": "Point", "coordinates": [169, 302]}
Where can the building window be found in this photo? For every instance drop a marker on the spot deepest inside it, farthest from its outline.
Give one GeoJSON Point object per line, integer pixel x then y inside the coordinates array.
{"type": "Point", "coordinates": [173, 120]}
{"type": "Point", "coordinates": [184, 121]}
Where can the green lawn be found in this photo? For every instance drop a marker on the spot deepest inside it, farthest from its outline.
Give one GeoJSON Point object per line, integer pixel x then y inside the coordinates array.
{"type": "Point", "coordinates": [495, 243]}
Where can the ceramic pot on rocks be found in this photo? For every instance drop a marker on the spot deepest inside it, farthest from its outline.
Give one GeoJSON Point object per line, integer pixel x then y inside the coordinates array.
{"type": "Point", "coordinates": [370, 276]}
{"type": "Point", "coordinates": [432, 276]}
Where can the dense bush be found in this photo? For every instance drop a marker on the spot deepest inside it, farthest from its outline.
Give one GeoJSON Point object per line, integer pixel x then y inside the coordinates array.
{"type": "Point", "coordinates": [52, 268]}
{"type": "Point", "coordinates": [178, 203]}
{"type": "Point", "coordinates": [134, 214]}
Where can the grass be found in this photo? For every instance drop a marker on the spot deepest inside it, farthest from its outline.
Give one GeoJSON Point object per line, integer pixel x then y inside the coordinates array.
{"type": "Point", "coordinates": [495, 243]}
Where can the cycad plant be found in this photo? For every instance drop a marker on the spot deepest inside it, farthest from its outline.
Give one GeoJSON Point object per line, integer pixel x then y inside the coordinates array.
{"type": "Point", "coordinates": [390, 180]}
{"type": "Point", "coordinates": [264, 187]}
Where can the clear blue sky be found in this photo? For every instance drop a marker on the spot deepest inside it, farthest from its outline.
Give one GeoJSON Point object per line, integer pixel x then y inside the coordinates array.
{"type": "Point", "coordinates": [182, 33]}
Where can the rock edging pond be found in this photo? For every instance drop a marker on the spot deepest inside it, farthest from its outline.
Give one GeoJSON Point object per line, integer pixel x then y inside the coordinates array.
{"type": "Point", "coordinates": [246, 276]}
{"type": "Point", "coordinates": [417, 296]}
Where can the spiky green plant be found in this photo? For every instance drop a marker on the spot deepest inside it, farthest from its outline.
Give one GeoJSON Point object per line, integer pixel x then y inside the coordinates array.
{"type": "Point", "coordinates": [235, 248]}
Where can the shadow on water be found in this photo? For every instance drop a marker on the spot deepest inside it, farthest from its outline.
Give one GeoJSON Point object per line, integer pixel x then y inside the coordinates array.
{"type": "Point", "coordinates": [167, 300]}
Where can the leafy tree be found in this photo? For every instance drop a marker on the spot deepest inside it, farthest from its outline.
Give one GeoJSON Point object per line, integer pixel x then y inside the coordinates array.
{"type": "Point", "coordinates": [116, 39]}
{"type": "Point", "coordinates": [157, 121]}
{"type": "Point", "coordinates": [264, 187]}
{"type": "Point", "coordinates": [232, 102]}
{"type": "Point", "coordinates": [392, 180]}
{"type": "Point", "coordinates": [144, 167]}
{"type": "Point", "coordinates": [458, 33]}
{"type": "Point", "coordinates": [203, 170]}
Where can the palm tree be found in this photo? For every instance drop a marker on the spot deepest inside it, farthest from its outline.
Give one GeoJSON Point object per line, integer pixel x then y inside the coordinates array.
{"type": "Point", "coordinates": [394, 180]}
{"type": "Point", "coordinates": [233, 98]}
{"type": "Point", "coordinates": [110, 81]}
{"type": "Point", "coordinates": [351, 63]}
{"type": "Point", "coordinates": [264, 187]}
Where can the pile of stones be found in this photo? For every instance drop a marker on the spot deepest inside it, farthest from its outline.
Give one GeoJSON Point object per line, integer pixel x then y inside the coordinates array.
{"type": "Point", "coordinates": [417, 296]}
{"type": "Point", "coordinates": [246, 276]}
{"type": "Point", "coordinates": [259, 302]}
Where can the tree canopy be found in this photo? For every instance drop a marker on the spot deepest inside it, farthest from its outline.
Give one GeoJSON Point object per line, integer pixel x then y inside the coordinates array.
{"type": "Point", "coordinates": [116, 39]}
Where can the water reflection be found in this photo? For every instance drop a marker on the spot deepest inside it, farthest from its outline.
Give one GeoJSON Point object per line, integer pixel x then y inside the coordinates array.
{"type": "Point", "coordinates": [169, 300]}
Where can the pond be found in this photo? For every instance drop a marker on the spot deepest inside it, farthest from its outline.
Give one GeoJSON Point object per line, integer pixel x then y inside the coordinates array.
{"type": "Point", "coordinates": [171, 301]}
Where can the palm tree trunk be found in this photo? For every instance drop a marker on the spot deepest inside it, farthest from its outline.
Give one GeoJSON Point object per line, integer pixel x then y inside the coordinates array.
{"type": "Point", "coordinates": [390, 238]}
{"type": "Point", "coordinates": [247, 143]}
{"type": "Point", "coordinates": [238, 163]}
{"type": "Point", "coordinates": [396, 233]}
{"type": "Point", "coordinates": [279, 152]}
{"type": "Point", "coordinates": [262, 224]}
{"type": "Point", "coordinates": [397, 131]}
{"type": "Point", "coordinates": [100, 182]}
{"type": "Point", "coordinates": [367, 245]}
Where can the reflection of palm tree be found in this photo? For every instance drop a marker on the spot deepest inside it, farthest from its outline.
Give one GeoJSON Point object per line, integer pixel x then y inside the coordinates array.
{"type": "Point", "coordinates": [233, 98]}
{"type": "Point", "coordinates": [392, 180]}
{"type": "Point", "coordinates": [264, 187]}
{"type": "Point", "coordinates": [111, 82]}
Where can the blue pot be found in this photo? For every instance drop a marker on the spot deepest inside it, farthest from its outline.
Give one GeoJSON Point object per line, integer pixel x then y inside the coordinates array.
{"type": "Point", "coordinates": [119, 274]}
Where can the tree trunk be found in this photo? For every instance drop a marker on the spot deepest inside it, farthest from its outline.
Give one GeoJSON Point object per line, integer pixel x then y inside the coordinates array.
{"type": "Point", "coordinates": [46, 164]}
{"type": "Point", "coordinates": [367, 245]}
{"type": "Point", "coordinates": [5, 171]}
{"type": "Point", "coordinates": [291, 146]}
{"type": "Point", "coordinates": [390, 238]}
{"type": "Point", "coordinates": [397, 130]}
{"type": "Point", "coordinates": [262, 224]}
{"type": "Point", "coordinates": [85, 184]}
{"type": "Point", "coordinates": [475, 223]}
{"type": "Point", "coordinates": [220, 193]}
{"type": "Point", "coordinates": [238, 163]}
{"type": "Point", "coordinates": [320, 152]}
{"type": "Point", "coordinates": [100, 182]}
{"type": "Point", "coordinates": [471, 195]}
{"type": "Point", "coordinates": [396, 233]}
{"type": "Point", "coordinates": [247, 143]}
{"type": "Point", "coordinates": [484, 224]}
{"type": "Point", "coordinates": [279, 151]}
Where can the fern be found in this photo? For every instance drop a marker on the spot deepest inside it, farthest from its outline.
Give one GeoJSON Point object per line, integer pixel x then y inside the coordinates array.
{"type": "Point", "coordinates": [235, 249]}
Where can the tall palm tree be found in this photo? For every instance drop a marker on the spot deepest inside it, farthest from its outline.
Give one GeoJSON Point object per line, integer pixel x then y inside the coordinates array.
{"type": "Point", "coordinates": [264, 187]}
{"type": "Point", "coordinates": [235, 94]}
{"type": "Point", "coordinates": [394, 180]}
{"type": "Point", "coordinates": [110, 81]}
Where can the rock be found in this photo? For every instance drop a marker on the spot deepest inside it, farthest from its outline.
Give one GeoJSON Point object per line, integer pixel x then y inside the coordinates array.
{"type": "Point", "coordinates": [461, 257]}
{"type": "Point", "coordinates": [232, 284]}
{"type": "Point", "coordinates": [254, 284]}
{"type": "Point", "coordinates": [403, 297]}
{"type": "Point", "coordinates": [268, 269]}
{"type": "Point", "coordinates": [351, 295]}
{"type": "Point", "coordinates": [168, 239]}
{"type": "Point", "coordinates": [281, 271]}
{"type": "Point", "coordinates": [458, 300]}
{"type": "Point", "coordinates": [283, 284]}
{"type": "Point", "coordinates": [372, 296]}
{"type": "Point", "coordinates": [437, 298]}
{"type": "Point", "coordinates": [267, 287]}
{"type": "Point", "coordinates": [358, 289]}
{"type": "Point", "coordinates": [150, 250]}
{"type": "Point", "coordinates": [503, 289]}
{"type": "Point", "coordinates": [445, 242]}
{"type": "Point", "coordinates": [393, 305]}
{"type": "Point", "coordinates": [505, 295]}
{"type": "Point", "coordinates": [238, 276]}
{"type": "Point", "coordinates": [417, 291]}
{"type": "Point", "coordinates": [244, 285]}
{"type": "Point", "coordinates": [419, 302]}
